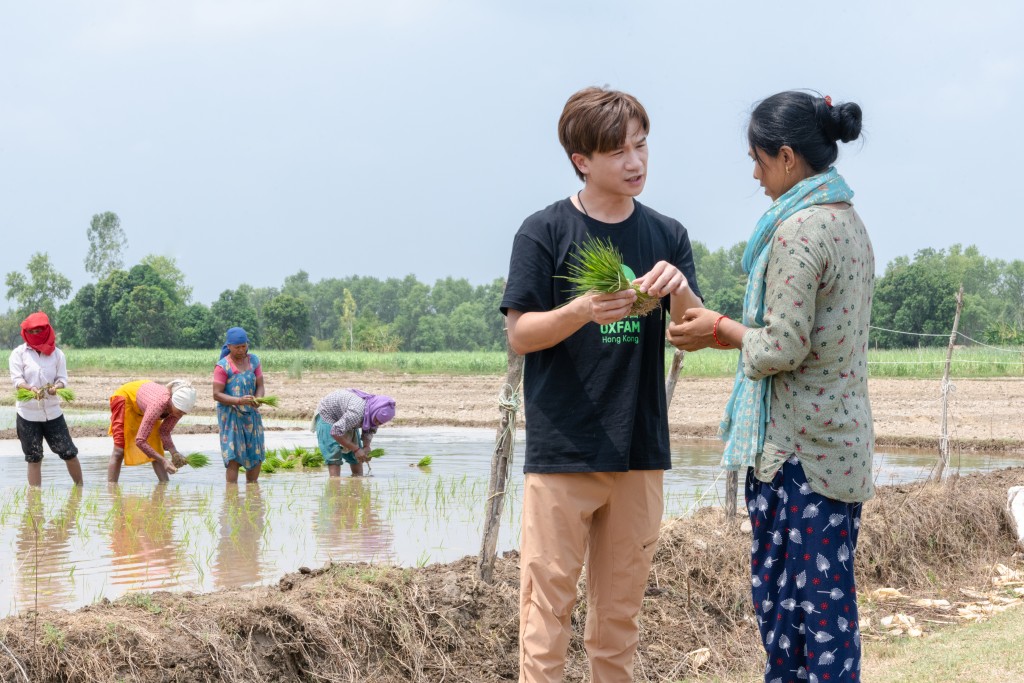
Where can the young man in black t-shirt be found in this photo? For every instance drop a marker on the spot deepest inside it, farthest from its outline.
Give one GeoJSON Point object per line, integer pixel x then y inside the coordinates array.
{"type": "Point", "coordinates": [596, 414]}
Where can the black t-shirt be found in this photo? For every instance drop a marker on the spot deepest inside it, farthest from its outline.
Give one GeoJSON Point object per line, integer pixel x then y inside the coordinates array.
{"type": "Point", "coordinates": [596, 401]}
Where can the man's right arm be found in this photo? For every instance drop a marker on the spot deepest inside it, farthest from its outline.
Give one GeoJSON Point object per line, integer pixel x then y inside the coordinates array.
{"type": "Point", "coordinates": [539, 330]}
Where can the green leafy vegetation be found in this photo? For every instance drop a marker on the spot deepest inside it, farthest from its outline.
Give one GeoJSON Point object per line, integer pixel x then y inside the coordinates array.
{"type": "Point", "coordinates": [598, 267]}
{"type": "Point", "coordinates": [197, 460]}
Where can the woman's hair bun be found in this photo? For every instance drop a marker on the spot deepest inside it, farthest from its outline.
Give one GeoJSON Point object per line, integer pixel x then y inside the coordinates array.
{"type": "Point", "coordinates": [847, 117]}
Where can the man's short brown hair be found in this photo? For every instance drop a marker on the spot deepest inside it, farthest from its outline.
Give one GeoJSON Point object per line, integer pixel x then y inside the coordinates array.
{"type": "Point", "coordinates": [596, 120]}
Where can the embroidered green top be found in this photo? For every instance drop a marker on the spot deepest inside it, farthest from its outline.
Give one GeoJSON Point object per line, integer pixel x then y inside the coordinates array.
{"type": "Point", "coordinates": [814, 344]}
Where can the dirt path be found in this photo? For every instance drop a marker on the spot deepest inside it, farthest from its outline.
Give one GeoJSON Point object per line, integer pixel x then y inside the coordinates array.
{"type": "Point", "coordinates": [984, 413]}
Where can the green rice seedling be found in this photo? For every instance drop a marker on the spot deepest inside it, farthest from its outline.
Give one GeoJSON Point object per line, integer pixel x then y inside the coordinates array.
{"type": "Point", "coordinates": [66, 394]}
{"type": "Point", "coordinates": [271, 401]}
{"type": "Point", "coordinates": [425, 461]}
{"type": "Point", "coordinates": [375, 453]}
{"type": "Point", "coordinates": [197, 460]}
{"type": "Point", "coordinates": [313, 459]}
{"type": "Point", "coordinates": [289, 463]}
{"type": "Point", "coordinates": [25, 395]}
{"type": "Point", "coordinates": [599, 269]}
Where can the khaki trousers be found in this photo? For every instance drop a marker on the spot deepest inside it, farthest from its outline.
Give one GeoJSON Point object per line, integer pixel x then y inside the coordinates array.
{"type": "Point", "coordinates": [610, 520]}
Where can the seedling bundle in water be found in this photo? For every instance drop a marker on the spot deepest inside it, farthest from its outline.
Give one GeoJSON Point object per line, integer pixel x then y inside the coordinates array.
{"type": "Point", "coordinates": [285, 459]}
{"type": "Point", "coordinates": [599, 269]}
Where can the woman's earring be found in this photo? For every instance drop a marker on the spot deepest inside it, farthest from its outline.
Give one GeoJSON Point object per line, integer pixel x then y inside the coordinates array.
{"type": "Point", "coordinates": [787, 170]}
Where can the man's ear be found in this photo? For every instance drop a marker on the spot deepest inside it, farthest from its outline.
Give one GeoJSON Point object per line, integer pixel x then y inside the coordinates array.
{"type": "Point", "coordinates": [581, 161]}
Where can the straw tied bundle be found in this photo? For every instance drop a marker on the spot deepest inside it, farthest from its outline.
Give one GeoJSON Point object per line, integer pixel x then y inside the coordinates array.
{"type": "Point", "coordinates": [598, 269]}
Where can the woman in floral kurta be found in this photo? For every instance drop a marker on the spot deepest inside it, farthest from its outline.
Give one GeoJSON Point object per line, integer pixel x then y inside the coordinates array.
{"type": "Point", "coordinates": [799, 419]}
{"type": "Point", "coordinates": [237, 383]}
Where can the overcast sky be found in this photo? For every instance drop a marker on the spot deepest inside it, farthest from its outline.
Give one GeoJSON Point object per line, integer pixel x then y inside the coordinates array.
{"type": "Point", "coordinates": [249, 139]}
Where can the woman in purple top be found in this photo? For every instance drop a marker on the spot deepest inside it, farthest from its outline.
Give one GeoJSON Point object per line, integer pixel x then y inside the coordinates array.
{"type": "Point", "coordinates": [345, 424]}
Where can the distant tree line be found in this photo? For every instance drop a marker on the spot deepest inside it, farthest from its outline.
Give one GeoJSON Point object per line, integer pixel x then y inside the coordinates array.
{"type": "Point", "coordinates": [150, 304]}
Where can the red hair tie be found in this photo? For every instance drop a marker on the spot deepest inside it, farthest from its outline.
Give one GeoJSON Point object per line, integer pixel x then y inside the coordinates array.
{"type": "Point", "coordinates": [828, 100]}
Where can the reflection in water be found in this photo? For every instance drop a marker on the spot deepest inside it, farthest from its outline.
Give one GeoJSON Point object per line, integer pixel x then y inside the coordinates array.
{"type": "Point", "coordinates": [142, 536]}
{"type": "Point", "coordinates": [347, 523]}
{"type": "Point", "coordinates": [196, 533]}
{"type": "Point", "coordinates": [242, 521]}
{"type": "Point", "coordinates": [43, 550]}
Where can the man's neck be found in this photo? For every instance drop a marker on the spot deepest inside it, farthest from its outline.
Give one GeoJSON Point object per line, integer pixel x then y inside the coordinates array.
{"type": "Point", "coordinates": [607, 208]}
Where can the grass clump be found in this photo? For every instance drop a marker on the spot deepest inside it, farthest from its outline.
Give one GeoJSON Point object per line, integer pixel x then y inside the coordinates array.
{"type": "Point", "coordinates": [425, 461]}
{"type": "Point", "coordinates": [599, 269]}
{"type": "Point", "coordinates": [271, 401]}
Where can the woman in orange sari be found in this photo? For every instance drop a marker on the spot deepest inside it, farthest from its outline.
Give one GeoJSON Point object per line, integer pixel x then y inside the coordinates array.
{"type": "Point", "coordinates": [142, 416]}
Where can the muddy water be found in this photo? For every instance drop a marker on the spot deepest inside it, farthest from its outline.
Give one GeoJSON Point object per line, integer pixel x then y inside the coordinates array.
{"type": "Point", "coordinates": [67, 547]}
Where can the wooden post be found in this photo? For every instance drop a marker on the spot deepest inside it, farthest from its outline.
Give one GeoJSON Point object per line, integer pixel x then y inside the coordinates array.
{"type": "Point", "coordinates": [500, 460]}
{"type": "Point", "coordinates": [732, 485]}
{"type": "Point", "coordinates": [673, 375]}
{"type": "Point", "coordinates": [940, 468]}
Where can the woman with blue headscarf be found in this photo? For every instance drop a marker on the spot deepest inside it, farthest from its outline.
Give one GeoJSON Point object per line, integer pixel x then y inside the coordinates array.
{"type": "Point", "coordinates": [799, 421]}
{"type": "Point", "coordinates": [237, 383]}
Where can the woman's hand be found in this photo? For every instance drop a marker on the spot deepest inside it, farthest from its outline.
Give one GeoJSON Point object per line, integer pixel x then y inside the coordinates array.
{"type": "Point", "coordinates": [169, 466]}
{"type": "Point", "coordinates": [247, 400]}
{"type": "Point", "coordinates": [178, 460]}
{"type": "Point", "coordinates": [361, 454]}
{"type": "Point", "coordinates": [696, 331]}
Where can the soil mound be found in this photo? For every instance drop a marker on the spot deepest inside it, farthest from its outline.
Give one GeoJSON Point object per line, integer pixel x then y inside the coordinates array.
{"type": "Point", "coordinates": [360, 622]}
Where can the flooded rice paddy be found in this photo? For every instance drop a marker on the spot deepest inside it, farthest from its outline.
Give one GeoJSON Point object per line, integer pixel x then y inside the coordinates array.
{"type": "Point", "coordinates": [64, 547]}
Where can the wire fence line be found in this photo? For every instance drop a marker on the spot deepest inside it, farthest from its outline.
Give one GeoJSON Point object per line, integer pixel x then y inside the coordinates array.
{"type": "Point", "coordinates": [1000, 349]}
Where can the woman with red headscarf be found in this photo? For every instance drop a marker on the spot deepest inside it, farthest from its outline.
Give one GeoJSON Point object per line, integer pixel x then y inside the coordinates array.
{"type": "Point", "coordinates": [39, 366]}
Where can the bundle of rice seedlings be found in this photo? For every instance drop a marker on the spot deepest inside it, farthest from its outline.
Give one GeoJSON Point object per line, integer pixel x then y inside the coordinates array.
{"type": "Point", "coordinates": [267, 401]}
{"type": "Point", "coordinates": [289, 463]}
{"type": "Point", "coordinates": [599, 269]}
{"type": "Point", "coordinates": [272, 462]}
{"type": "Point", "coordinates": [313, 459]}
{"type": "Point", "coordinates": [25, 395]}
{"type": "Point", "coordinates": [425, 461]}
{"type": "Point", "coordinates": [197, 460]}
{"type": "Point", "coordinates": [375, 453]}
{"type": "Point", "coordinates": [66, 394]}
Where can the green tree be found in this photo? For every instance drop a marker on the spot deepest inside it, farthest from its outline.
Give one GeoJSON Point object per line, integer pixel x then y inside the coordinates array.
{"type": "Point", "coordinates": [467, 328]}
{"type": "Point", "coordinates": [286, 322]}
{"type": "Point", "coordinates": [167, 268]}
{"type": "Point", "coordinates": [197, 328]}
{"type": "Point", "coordinates": [80, 321]}
{"type": "Point", "coordinates": [347, 304]}
{"type": "Point", "coordinates": [40, 290]}
{"type": "Point", "coordinates": [721, 278]}
{"type": "Point", "coordinates": [106, 244]}
{"type": "Point", "coordinates": [233, 309]}
{"type": "Point", "coordinates": [145, 317]}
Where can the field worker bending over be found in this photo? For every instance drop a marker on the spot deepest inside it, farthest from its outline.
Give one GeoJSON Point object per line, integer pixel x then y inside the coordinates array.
{"type": "Point", "coordinates": [39, 366]}
{"type": "Point", "coordinates": [345, 423]}
{"type": "Point", "coordinates": [596, 417]}
{"type": "Point", "coordinates": [142, 415]}
{"type": "Point", "coordinates": [237, 383]}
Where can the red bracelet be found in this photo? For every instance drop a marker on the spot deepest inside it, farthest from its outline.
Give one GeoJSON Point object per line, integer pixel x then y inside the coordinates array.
{"type": "Point", "coordinates": [714, 332]}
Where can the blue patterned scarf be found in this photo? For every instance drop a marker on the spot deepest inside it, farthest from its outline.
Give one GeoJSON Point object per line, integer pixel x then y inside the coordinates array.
{"type": "Point", "coordinates": [746, 414]}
